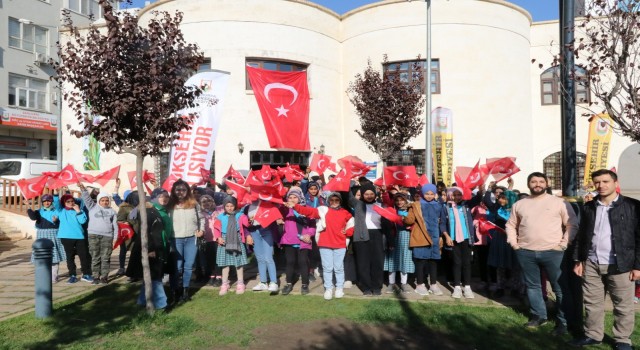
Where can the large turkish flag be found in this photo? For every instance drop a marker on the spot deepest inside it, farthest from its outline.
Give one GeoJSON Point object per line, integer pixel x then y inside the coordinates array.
{"type": "Point", "coordinates": [283, 99]}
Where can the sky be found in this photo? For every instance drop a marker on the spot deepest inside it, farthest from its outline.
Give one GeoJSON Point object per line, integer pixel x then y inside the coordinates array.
{"type": "Point", "coordinates": [540, 10]}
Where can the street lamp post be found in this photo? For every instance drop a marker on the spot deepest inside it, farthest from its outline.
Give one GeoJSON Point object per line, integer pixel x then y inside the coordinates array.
{"type": "Point", "coordinates": [427, 80]}
{"type": "Point", "coordinates": [568, 109]}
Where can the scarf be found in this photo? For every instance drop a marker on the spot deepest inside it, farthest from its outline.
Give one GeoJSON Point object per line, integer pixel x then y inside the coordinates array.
{"type": "Point", "coordinates": [458, 223]}
{"type": "Point", "coordinates": [232, 243]}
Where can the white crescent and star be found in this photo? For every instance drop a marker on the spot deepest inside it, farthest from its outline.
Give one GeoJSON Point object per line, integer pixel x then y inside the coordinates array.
{"type": "Point", "coordinates": [62, 176]}
{"type": "Point", "coordinates": [395, 176]}
{"type": "Point", "coordinates": [265, 198]}
{"type": "Point", "coordinates": [475, 178]}
{"type": "Point", "coordinates": [281, 110]}
{"type": "Point", "coordinates": [320, 162]}
{"type": "Point", "coordinates": [30, 188]}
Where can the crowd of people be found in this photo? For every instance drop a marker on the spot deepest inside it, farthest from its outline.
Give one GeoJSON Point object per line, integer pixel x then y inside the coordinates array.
{"type": "Point", "coordinates": [357, 238]}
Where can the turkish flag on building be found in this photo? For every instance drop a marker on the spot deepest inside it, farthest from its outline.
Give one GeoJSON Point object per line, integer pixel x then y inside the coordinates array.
{"type": "Point", "coordinates": [401, 175]}
{"type": "Point", "coordinates": [31, 188]}
{"type": "Point", "coordinates": [320, 163]}
{"type": "Point", "coordinates": [283, 99]}
{"type": "Point", "coordinates": [341, 182]}
{"type": "Point", "coordinates": [266, 214]}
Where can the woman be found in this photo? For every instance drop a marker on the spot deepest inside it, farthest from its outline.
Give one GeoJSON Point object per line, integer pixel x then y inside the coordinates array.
{"type": "Point", "coordinates": [187, 226]}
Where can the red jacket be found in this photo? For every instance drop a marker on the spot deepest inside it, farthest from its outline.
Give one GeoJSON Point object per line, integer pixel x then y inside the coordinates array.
{"type": "Point", "coordinates": [331, 225]}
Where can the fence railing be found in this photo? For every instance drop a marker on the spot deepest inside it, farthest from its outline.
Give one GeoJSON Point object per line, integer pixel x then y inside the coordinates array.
{"type": "Point", "coordinates": [13, 201]}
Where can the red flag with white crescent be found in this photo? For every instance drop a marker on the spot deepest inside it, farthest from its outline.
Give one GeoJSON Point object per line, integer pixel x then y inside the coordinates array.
{"type": "Point", "coordinates": [104, 177]}
{"type": "Point", "coordinates": [67, 176]}
{"type": "Point", "coordinates": [168, 183]}
{"type": "Point", "coordinates": [502, 168]}
{"type": "Point", "coordinates": [234, 174]}
{"type": "Point", "coordinates": [283, 99]}
{"type": "Point", "coordinates": [403, 175]}
{"type": "Point", "coordinates": [320, 163]}
{"type": "Point", "coordinates": [266, 194]}
{"type": "Point", "coordinates": [356, 166]}
{"type": "Point", "coordinates": [475, 177]}
{"type": "Point", "coordinates": [31, 188]}
{"type": "Point", "coordinates": [341, 182]}
{"type": "Point", "coordinates": [423, 180]}
{"type": "Point", "coordinates": [388, 213]}
{"type": "Point", "coordinates": [485, 226]}
{"type": "Point", "coordinates": [125, 232]}
{"type": "Point", "coordinates": [267, 213]}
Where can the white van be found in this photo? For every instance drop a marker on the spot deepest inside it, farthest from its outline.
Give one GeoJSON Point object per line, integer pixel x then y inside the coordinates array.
{"type": "Point", "coordinates": [23, 168]}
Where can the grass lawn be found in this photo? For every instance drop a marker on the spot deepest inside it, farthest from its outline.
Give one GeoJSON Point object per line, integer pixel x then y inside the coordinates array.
{"type": "Point", "coordinates": [109, 319]}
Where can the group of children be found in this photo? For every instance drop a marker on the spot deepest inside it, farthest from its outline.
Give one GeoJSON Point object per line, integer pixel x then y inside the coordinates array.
{"type": "Point", "coordinates": [367, 230]}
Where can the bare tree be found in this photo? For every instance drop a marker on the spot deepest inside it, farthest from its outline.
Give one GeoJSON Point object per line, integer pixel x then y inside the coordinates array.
{"type": "Point", "coordinates": [389, 107]}
{"type": "Point", "coordinates": [134, 78]}
{"type": "Point", "coordinates": [608, 47]}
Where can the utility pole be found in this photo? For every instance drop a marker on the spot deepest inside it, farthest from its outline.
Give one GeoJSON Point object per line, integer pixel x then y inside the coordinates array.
{"type": "Point", "coordinates": [568, 104]}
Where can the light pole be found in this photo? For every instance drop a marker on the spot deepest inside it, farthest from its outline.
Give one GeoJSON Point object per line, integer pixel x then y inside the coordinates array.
{"type": "Point", "coordinates": [568, 109]}
{"type": "Point", "coordinates": [427, 127]}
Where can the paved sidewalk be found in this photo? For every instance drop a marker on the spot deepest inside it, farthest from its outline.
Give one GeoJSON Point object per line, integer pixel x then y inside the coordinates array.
{"type": "Point", "coordinates": [17, 284]}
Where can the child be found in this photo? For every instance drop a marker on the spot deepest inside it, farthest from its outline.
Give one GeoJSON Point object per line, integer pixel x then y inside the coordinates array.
{"type": "Point", "coordinates": [501, 256]}
{"type": "Point", "coordinates": [230, 235]}
{"type": "Point", "coordinates": [399, 258]}
{"type": "Point", "coordinates": [313, 199]}
{"type": "Point", "coordinates": [462, 236]}
{"type": "Point", "coordinates": [332, 230]}
{"type": "Point", "coordinates": [207, 246]}
{"type": "Point", "coordinates": [296, 241]}
{"type": "Point", "coordinates": [47, 224]}
{"type": "Point", "coordinates": [71, 235]}
{"type": "Point", "coordinates": [103, 223]}
{"type": "Point", "coordinates": [428, 220]}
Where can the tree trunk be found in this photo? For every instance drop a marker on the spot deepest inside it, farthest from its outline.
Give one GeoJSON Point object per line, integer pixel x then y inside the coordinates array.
{"type": "Point", "coordinates": [142, 212]}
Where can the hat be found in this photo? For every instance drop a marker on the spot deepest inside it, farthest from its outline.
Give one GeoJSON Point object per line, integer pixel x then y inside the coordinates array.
{"type": "Point", "coordinates": [102, 195]}
{"type": "Point", "coordinates": [334, 194]}
{"type": "Point", "coordinates": [453, 189]}
{"type": "Point", "coordinates": [367, 186]}
{"type": "Point", "coordinates": [46, 197]}
{"type": "Point", "coordinates": [230, 199]}
{"type": "Point", "coordinates": [296, 191]}
{"type": "Point", "coordinates": [126, 194]}
{"type": "Point", "coordinates": [66, 197]}
{"type": "Point", "coordinates": [157, 192]}
{"type": "Point", "coordinates": [206, 196]}
{"type": "Point", "coordinates": [429, 187]}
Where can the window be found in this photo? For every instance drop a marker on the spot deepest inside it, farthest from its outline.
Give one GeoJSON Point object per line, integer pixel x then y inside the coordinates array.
{"type": "Point", "coordinates": [10, 168]}
{"type": "Point", "coordinates": [278, 158]}
{"type": "Point", "coordinates": [413, 157]}
{"type": "Point", "coordinates": [205, 66]}
{"type": "Point", "coordinates": [27, 92]}
{"type": "Point", "coordinates": [406, 69]}
{"type": "Point", "coordinates": [550, 87]}
{"type": "Point", "coordinates": [552, 167]}
{"type": "Point", "coordinates": [28, 37]}
{"type": "Point", "coordinates": [86, 7]}
{"type": "Point", "coordinates": [281, 66]}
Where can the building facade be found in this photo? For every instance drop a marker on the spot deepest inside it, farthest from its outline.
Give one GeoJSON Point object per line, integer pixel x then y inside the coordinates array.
{"type": "Point", "coordinates": [502, 104]}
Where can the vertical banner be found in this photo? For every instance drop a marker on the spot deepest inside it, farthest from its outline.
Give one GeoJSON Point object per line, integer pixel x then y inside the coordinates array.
{"type": "Point", "coordinates": [597, 145]}
{"type": "Point", "coordinates": [194, 149]}
{"type": "Point", "coordinates": [442, 143]}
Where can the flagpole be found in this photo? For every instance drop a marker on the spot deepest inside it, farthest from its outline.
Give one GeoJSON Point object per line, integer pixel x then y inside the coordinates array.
{"type": "Point", "coordinates": [427, 127]}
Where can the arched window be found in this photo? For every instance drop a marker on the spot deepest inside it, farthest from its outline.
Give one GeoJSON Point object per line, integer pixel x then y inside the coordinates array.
{"type": "Point", "coordinates": [550, 88]}
{"type": "Point", "coordinates": [552, 167]}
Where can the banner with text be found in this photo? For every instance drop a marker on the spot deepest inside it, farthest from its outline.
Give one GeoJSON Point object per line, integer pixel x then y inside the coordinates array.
{"type": "Point", "coordinates": [598, 145]}
{"type": "Point", "coordinates": [194, 149]}
{"type": "Point", "coordinates": [442, 143]}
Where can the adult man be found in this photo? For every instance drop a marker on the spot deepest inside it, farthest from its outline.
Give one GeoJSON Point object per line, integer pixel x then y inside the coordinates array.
{"type": "Point", "coordinates": [607, 256]}
{"type": "Point", "coordinates": [535, 231]}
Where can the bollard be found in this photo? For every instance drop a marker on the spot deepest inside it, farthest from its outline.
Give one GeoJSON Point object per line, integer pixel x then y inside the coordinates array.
{"type": "Point", "coordinates": [42, 257]}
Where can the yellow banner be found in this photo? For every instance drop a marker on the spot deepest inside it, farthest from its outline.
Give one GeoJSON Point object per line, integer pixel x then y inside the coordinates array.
{"type": "Point", "coordinates": [598, 145]}
{"type": "Point", "coordinates": [442, 143]}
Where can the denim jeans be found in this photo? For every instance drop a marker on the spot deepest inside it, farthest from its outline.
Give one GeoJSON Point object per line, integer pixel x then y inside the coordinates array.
{"type": "Point", "coordinates": [186, 257]}
{"type": "Point", "coordinates": [332, 262]}
{"type": "Point", "coordinates": [530, 263]}
{"type": "Point", "coordinates": [263, 248]}
{"type": "Point", "coordinates": [159, 297]}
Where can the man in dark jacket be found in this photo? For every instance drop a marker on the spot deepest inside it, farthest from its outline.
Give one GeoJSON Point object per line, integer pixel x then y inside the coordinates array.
{"type": "Point", "coordinates": [607, 256]}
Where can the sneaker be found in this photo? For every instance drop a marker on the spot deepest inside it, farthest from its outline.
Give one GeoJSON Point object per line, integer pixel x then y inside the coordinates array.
{"type": "Point", "coordinates": [390, 289]}
{"type": "Point", "coordinates": [422, 290]}
{"type": "Point", "coordinates": [468, 293]}
{"type": "Point", "coordinates": [104, 280]}
{"type": "Point", "coordinates": [272, 287]}
{"type": "Point", "coordinates": [316, 272]}
{"type": "Point", "coordinates": [328, 294]}
{"type": "Point", "coordinates": [623, 346]}
{"type": "Point", "coordinates": [584, 341]}
{"type": "Point", "coordinates": [435, 290]}
{"type": "Point", "coordinates": [240, 287]}
{"type": "Point", "coordinates": [312, 278]}
{"type": "Point", "coordinates": [87, 278]}
{"type": "Point", "coordinates": [260, 287]}
{"type": "Point", "coordinates": [224, 288]}
{"type": "Point", "coordinates": [535, 322]}
{"type": "Point", "coordinates": [367, 293]}
{"type": "Point", "coordinates": [305, 289]}
{"type": "Point", "coordinates": [72, 279]}
{"type": "Point", "coordinates": [287, 289]}
{"type": "Point", "coordinates": [339, 293]}
{"type": "Point", "coordinates": [457, 292]}
{"type": "Point", "coordinates": [347, 285]}
{"type": "Point", "coordinates": [377, 292]}
{"type": "Point", "coordinates": [405, 288]}
{"type": "Point", "coordinates": [95, 281]}
{"type": "Point", "coordinates": [120, 272]}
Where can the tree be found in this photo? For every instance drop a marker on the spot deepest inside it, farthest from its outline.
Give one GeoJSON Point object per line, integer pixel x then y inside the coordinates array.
{"type": "Point", "coordinates": [134, 79]}
{"type": "Point", "coordinates": [609, 49]}
{"type": "Point", "coordinates": [389, 108]}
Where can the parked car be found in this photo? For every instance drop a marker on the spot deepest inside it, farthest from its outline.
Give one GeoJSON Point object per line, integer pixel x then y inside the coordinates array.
{"type": "Point", "coordinates": [22, 168]}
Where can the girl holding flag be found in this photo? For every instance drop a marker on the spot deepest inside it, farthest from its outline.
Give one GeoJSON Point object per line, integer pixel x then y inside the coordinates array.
{"type": "Point", "coordinates": [463, 236]}
{"type": "Point", "coordinates": [398, 258]}
{"type": "Point", "coordinates": [47, 224]}
{"type": "Point", "coordinates": [230, 235]}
